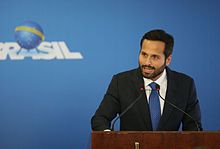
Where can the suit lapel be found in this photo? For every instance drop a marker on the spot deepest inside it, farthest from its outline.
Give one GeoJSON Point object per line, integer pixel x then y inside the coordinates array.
{"type": "Point", "coordinates": [171, 96]}
{"type": "Point", "coordinates": [142, 105]}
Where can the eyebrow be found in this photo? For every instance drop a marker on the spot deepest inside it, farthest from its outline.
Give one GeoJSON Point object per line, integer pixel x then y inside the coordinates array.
{"type": "Point", "coordinates": [154, 54]}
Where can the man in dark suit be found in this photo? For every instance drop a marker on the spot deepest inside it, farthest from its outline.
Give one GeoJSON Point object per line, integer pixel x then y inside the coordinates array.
{"type": "Point", "coordinates": [176, 98]}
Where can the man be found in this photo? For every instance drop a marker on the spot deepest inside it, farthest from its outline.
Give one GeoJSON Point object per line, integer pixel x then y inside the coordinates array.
{"type": "Point", "coordinates": [162, 99]}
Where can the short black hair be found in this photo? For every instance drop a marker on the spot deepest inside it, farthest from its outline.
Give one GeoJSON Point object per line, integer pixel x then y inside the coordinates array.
{"type": "Point", "coordinates": [160, 35]}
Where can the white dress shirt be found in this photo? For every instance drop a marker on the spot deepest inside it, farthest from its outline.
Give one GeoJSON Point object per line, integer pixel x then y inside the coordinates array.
{"type": "Point", "coordinates": [162, 81]}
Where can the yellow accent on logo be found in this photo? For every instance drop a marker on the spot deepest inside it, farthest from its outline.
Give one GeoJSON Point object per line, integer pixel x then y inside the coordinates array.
{"type": "Point", "coordinates": [32, 30]}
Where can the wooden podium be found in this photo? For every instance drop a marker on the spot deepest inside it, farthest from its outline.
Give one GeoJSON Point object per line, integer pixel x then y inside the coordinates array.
{"type": "Point", "coordinates": [155, 140]}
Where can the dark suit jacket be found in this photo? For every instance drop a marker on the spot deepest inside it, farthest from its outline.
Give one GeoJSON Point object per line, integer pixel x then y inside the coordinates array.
{"type": "Point", "coordinates": [125, 87]}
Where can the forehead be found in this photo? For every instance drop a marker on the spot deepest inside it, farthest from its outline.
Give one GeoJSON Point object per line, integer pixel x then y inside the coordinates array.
{"type": "Point", "coordinates": [154, 46]}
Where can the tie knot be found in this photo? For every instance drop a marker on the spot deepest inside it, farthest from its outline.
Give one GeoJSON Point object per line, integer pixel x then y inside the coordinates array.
{"type": "Point", "coordinates": [153, 85]}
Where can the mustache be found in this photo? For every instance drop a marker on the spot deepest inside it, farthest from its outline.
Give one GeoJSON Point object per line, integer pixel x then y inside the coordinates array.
{"type": "Point", "coordinates": [148, 66]}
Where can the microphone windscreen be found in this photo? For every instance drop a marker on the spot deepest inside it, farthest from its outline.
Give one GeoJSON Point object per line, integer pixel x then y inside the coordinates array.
{"type": "Point", "coordinates": [157, 87]}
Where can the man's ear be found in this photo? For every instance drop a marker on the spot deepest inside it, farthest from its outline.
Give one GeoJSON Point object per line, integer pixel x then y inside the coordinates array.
{"type": "Point", "coordinates": [168, 60]}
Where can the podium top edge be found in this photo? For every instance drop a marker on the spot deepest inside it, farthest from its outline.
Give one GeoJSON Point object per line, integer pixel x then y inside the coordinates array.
{"type": "Point", "coordinates": [154, 132]}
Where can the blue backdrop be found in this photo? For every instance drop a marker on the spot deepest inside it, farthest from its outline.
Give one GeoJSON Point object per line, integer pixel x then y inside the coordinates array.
{"type": "Point", "coordinates": [47, 104]}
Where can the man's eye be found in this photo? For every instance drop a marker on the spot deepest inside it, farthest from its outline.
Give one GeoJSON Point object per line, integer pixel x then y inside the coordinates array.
{"type": "Point", "coordinates": [144, 54]}
{"type": "Point", "coordinates": [155, 57]}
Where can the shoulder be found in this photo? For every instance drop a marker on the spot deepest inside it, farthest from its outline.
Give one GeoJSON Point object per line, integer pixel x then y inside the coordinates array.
{"type": "Point", "coordinates": [131, 77]}
{"type": "Point", "coordinates": [178, 76]}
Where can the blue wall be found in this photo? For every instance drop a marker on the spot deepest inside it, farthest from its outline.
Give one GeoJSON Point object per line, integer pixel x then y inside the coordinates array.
{"type": "Point", "coordinates": [47, 104]}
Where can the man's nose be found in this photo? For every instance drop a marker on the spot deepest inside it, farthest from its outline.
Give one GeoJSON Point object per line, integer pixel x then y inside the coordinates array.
{"type": "Point", "coordinates": [148, 61]}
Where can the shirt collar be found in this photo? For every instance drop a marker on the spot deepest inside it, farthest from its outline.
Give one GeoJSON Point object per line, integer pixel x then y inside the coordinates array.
{"type": "Point", "coordinates": [158, 81]}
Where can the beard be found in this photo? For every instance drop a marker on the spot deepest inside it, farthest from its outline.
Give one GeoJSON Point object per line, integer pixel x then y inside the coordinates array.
{"type": "Point", "coordinates": [157, 71]}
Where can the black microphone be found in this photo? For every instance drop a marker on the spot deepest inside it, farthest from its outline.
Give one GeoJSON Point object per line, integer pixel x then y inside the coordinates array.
{"type": "Point", "coordinates": [128, 108]}
{"type": "Point", "coordinates": [173, 105]}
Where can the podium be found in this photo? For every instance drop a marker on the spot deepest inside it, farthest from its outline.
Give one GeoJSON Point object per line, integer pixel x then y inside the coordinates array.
{"type": "Point", "coordinates": [155, 140]}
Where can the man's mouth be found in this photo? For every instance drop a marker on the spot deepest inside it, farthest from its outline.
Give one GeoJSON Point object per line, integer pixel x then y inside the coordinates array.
{"type": "Point", "coordinates": [148, 69]}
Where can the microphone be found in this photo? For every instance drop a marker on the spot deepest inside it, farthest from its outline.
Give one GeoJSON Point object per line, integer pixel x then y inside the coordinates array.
{"type": "Point", "coordinates": [173, 105]}
{"type": "Point", "coordinates": [128, 108]}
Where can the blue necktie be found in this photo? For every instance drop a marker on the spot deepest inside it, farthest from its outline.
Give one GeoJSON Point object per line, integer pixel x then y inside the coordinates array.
{"type": "Point", "coordinates": [154, 104]}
